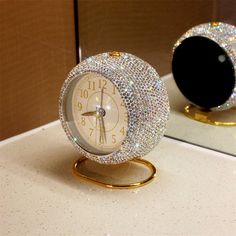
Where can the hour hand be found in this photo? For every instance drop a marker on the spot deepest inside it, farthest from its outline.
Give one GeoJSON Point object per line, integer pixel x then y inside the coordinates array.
{"type": "Point", "coordinates": [89, 113]}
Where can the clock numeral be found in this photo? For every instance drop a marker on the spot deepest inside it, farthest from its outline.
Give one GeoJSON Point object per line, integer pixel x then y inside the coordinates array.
{"type": "Point", "coordinates": [91, 132]}
{"type": "Point", "coordinates": [83, 121]}
{"type": "Point", "coordinates": [80, 106]}
{"type": "Point", "coordinates": [91, 85]}
{"type": "Point", "coordinates": [102, 83]}
{"type": "Point", "coordinates": [83, 93]}
{"type": "Point", "coordinates": [113, 138]}
{"type": "Point", "coordinates": [122, 130]}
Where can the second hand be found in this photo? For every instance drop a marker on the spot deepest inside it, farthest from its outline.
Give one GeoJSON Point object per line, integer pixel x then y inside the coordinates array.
{"type": "Point", "coordinates": [102, 115]}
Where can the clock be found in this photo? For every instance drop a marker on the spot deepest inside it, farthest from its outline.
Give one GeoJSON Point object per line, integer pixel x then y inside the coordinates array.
{"type": "Point", "coordinates": [204, 66]}
{"type": "Point", "coordinates": [113, 107]}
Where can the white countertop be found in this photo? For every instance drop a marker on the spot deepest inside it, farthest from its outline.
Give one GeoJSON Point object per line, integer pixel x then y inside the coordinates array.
{"type": "Point", "coordinates": [194, 192]}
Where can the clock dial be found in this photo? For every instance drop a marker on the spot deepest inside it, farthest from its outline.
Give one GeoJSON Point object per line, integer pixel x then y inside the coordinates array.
{"type": "Point", "coordinates": [98, 114]}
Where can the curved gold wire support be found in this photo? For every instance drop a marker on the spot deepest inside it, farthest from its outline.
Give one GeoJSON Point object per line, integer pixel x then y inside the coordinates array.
{"type": "Point", "coordinates": [148, 164]}
{"type": "Point", "coordinates": [210, 117]}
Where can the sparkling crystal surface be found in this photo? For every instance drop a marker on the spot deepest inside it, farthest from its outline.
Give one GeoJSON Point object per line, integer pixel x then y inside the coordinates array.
{"type": "Point", "coordinates": [145, 98]}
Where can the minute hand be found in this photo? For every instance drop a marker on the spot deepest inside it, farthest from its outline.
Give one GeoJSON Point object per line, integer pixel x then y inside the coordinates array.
{"type": "Point", "coordinates": [101, 102]}
{"type": "Point", "coordinates": [103, 129]}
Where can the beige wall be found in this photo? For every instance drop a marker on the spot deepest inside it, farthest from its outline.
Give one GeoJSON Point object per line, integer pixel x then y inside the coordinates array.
{"type": "Point", "coordinates": [37, 50]}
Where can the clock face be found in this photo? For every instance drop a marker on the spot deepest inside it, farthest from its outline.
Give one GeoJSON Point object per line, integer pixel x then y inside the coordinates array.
{"type": "Point", "coordinates": [96, 114]}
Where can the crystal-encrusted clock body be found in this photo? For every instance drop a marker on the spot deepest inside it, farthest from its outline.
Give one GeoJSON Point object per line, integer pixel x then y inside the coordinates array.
{"type": "Point", "coordinates": [113, 107]}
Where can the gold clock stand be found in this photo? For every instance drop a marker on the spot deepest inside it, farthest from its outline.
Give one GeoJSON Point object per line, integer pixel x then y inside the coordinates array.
{"type": "Point", "coordinates": [147, 164]}
{"type": "Point", "coordinates": [218, 118]}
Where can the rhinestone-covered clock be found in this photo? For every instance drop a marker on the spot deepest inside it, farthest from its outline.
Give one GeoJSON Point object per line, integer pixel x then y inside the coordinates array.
{"type": "Point", "coordinates": [113, 107]}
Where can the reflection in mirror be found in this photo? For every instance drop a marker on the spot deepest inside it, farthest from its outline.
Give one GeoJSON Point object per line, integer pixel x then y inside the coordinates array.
{"type": "Point", "coordinates": [202, 89]}
{"type": "Point", "coordinates": [181, 127]}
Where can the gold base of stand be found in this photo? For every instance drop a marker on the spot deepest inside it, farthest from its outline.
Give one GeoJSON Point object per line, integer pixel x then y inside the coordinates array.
{"type": "Point", "coordinates": [218, 118]}
{"type": "Point", "coordinates": [147, 164]}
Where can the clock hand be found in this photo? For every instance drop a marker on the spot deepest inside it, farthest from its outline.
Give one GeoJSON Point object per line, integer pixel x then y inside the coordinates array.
{"type": "Point", "coordinates": [101, 139]}
{"type": "Point", "coordinates": [101, 120]}
{"type": "Point", "coordinates": [102, 92]}
{"type": "Point", "coordinates": [89, 113]}
{"type": "Point", "coordinates": [98, 118]}
{"type": "Point", "coordinates": [96, 129]}
{"type": "Point", "coordinates": [103, 129]}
